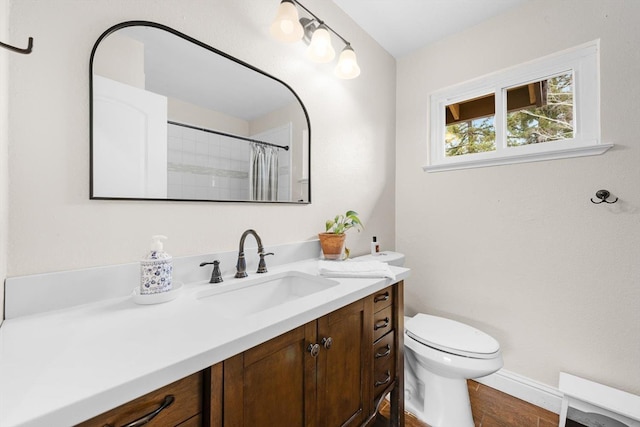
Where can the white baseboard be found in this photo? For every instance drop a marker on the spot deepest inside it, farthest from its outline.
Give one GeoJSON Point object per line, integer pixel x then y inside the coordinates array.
{"type": "Point", "coordinates": [526, 389]}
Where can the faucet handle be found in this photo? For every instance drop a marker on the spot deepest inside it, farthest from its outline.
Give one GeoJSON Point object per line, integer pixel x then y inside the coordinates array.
{"type": "Point", "coordinates": [262, 265]}
{"type": "Point", "coordinates": [216, 276]}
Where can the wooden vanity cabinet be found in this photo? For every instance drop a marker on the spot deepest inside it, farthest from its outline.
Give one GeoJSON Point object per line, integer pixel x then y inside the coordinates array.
{"type": "Point", "coordinates": [314, 375]}
{"type": "Point", "coordinates": [332, 372]}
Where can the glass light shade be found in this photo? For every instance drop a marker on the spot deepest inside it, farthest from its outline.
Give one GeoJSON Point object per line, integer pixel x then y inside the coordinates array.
{"type": "Point", "coordinates": [286, 26]}
{"type": "Point", "coordinates": [320, 49]}
{"type": "Point", "coordinates": [347, 67]}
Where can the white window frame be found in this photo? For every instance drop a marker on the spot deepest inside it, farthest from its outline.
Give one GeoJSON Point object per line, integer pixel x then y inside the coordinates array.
{"type": "Point", "coordinates": [582, 61]}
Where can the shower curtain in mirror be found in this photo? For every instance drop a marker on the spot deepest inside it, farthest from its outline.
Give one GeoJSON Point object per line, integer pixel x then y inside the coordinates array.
{"type": "Point", "coordinates": [264, 172]}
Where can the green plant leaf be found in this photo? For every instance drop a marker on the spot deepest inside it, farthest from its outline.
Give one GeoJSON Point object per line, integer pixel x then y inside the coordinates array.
{"type": "Point", "coordinates": [329, 225]}
{"type": "Point", "coordinates": [342, 223]}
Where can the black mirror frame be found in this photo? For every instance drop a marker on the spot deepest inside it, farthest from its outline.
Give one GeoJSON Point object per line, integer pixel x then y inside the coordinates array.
{"type": "Point", "coordinates": [216, 51]}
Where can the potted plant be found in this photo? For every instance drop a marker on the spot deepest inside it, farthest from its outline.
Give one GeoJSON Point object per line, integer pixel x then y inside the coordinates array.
{"type": "Point", "coordinates": [333, 239]}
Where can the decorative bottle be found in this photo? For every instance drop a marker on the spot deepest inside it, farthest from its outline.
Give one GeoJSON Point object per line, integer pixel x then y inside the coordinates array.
{"type": "Point", "coordinates": [375, 246]}
{"type": "Point", "coordinates": [156, 269]}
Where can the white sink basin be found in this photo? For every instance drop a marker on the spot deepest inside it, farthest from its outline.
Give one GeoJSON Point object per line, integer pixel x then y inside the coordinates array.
{"type": "Point", "coordinates": [253, 295]}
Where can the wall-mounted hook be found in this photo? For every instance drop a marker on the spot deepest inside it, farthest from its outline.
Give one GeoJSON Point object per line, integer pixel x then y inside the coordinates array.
{"type": "Point", "coordinates": [17, 49]}
{"type": "Point", "coordinates": [603, 195]}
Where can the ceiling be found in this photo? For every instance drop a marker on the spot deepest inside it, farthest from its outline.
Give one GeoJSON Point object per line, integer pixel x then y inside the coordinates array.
{"type": "Point", "coordinates": [183, 70]}
{"type": "Point", "coordinates": [402, 26]}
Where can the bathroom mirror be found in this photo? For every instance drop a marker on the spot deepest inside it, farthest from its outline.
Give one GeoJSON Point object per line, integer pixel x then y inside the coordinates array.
{"type": "Point", "coordinates": [175, 119]}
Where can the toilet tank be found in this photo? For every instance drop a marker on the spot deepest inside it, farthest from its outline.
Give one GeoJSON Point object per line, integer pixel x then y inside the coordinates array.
{"type": "Point", "coordinates": [390, 257]}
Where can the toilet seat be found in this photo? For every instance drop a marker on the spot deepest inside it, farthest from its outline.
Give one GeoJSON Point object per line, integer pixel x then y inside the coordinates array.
{"type": "Point", "coordinates": [451, 337]}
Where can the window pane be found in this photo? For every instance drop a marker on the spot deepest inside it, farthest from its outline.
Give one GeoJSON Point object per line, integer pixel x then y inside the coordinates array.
{"type": "Point", "coordinates": [471, 136]}
{"type": "Point", "coordinates": [470, 126]}
{"type": "Point", "coordinates": [541, 111]}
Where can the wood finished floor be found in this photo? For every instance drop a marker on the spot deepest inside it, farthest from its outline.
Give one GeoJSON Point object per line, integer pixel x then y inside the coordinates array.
{"type": "Point", "coordinates": [490, 408]}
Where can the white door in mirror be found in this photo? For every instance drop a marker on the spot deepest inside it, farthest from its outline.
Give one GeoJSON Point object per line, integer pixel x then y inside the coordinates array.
{"type": "Point", "coordinates": [129, 141]}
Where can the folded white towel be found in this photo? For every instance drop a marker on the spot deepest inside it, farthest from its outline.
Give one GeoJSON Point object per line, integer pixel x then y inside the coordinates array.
{"type": "Point", "coordinates": [355, 269]}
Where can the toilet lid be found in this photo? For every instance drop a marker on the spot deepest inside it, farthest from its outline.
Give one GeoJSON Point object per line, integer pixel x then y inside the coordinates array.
{"type": "Point", "coordinates": [451, 336]}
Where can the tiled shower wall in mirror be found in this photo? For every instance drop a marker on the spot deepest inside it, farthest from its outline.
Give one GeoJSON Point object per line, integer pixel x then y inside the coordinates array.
{"type": "Point", "coordinates": [208, 166]}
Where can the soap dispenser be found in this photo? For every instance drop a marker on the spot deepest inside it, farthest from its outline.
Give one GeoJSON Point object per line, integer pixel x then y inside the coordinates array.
{"type": "Point", "coordinates": [156, 269]}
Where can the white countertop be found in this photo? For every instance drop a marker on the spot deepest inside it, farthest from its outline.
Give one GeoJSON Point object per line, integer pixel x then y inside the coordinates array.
{"type": "Point", "coordinates": [62, 367]}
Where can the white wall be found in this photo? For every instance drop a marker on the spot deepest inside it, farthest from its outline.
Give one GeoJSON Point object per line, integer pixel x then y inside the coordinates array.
{"type": "Point", "coordinates": [519, 251]}
{"type": "Point", "coordinates": [4, 141]}
{"type": "Point", "coordinates": [53, 224]}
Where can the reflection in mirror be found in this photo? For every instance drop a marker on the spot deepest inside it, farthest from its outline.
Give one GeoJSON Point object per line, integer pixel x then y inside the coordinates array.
{"type": "Point", "coordinates": [175, 119]}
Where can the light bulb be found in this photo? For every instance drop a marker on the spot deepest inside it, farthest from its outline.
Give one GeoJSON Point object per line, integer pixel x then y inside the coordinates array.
{"type": "Point", "coordinates": [320, 49]}
{"type": "Point", "coordinates": [286, 26]}
{"type": "Point", "coordinates": [347, 67]}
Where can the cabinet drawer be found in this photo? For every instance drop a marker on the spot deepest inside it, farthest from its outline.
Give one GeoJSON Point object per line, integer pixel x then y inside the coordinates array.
{"type": "Point", "coordinates": [187, 402]}
{"type": "Point", "coordinates": [384, 349]}
{"type": "Point", "coordinates": [382, 299]}
{"type": "Point", "coordinates": [383, 363]}
{"type": "Point", "coordinates": [195, 421]}
{"type": "Point", "coordinates": [382, 322]}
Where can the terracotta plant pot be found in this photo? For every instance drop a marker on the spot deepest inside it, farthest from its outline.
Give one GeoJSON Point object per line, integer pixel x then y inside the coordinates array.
{"type": "Point", "coordinates": [332, 245]}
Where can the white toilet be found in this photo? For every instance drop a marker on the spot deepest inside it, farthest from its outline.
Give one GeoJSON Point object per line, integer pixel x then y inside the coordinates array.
{"type": "Point", "coordinates": [440, 355]}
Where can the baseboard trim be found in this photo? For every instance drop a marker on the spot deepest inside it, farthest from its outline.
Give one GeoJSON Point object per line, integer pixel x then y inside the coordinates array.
{"type": "Point", "coordinates": [524, 388]}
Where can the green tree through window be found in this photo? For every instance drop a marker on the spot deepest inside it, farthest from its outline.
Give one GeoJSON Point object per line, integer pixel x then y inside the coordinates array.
{"type": "Point", "coordinates": [552, 121]}
{"type": "Point", "coordinates": [473, 136]}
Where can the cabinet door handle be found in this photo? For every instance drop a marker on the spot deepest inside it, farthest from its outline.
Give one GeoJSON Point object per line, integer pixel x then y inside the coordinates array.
{"type": "Point", "coordinates": [382, 324]}
{"type": "Point", "coordinates": [327, 342]}
{"type": "Point", "coordinates": [381, 297]}
{"type": "Point", "coordinates": [314, 349]}
{"type": "Point", "coordinates": [385, 381]}
{"type": "Point", "coordinates": [387, 351]}
{"type": "Point", "coordinates": [168, 400]}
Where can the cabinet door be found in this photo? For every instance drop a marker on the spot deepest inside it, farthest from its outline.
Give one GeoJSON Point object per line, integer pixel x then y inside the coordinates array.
{"type": "Point", "coordinates": [272, 383]}
{"type": "Point", "coordinates": [344, 366]}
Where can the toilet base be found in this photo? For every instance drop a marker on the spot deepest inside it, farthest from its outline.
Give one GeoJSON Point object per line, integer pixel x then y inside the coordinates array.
{"type": "Point", "coordinates": [440, 401]}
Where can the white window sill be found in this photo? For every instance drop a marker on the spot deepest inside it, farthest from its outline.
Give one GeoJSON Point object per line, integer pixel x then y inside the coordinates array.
{"type": "Point", "coordinates": [460, 163]}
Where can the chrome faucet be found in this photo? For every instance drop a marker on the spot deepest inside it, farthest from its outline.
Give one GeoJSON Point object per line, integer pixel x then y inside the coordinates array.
{"type": "Point", "coordinates": [241, 265]}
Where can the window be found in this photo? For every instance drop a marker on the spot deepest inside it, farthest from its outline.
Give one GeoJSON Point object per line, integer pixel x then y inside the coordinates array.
{"type": "Point", "coordinates": [545, 109]}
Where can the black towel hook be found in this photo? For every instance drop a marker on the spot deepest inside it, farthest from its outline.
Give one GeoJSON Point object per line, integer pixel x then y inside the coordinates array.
{"type": "Point", "coordinates": [17, 49]}
{"type": "Point", "coordinates": [603, 195]}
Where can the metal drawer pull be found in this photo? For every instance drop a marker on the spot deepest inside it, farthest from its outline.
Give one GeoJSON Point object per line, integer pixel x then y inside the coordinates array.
{"type": "Point", "coordinates": [382, 324]}
{"type": "Point", "coordinates": [381, 297]}
{"type": "Point", "coordinates": [386, 352]}
{"type": "Point", "coordinates": [314, 349]}
{"type": "Point", "coordinates": [386, 380]}
{"type": "Point", "coordinates": [327, 342]}
{"type": "Point", "coordinates": [168, 400]}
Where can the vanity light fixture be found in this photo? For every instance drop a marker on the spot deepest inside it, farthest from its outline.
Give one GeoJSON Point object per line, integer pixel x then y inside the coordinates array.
{"type": "Point", "coordinates": [347, 67]}
{"type": "Point", "coordinates": [288, 27]}
{"type": "Point", "coordinates": [320, 49]}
